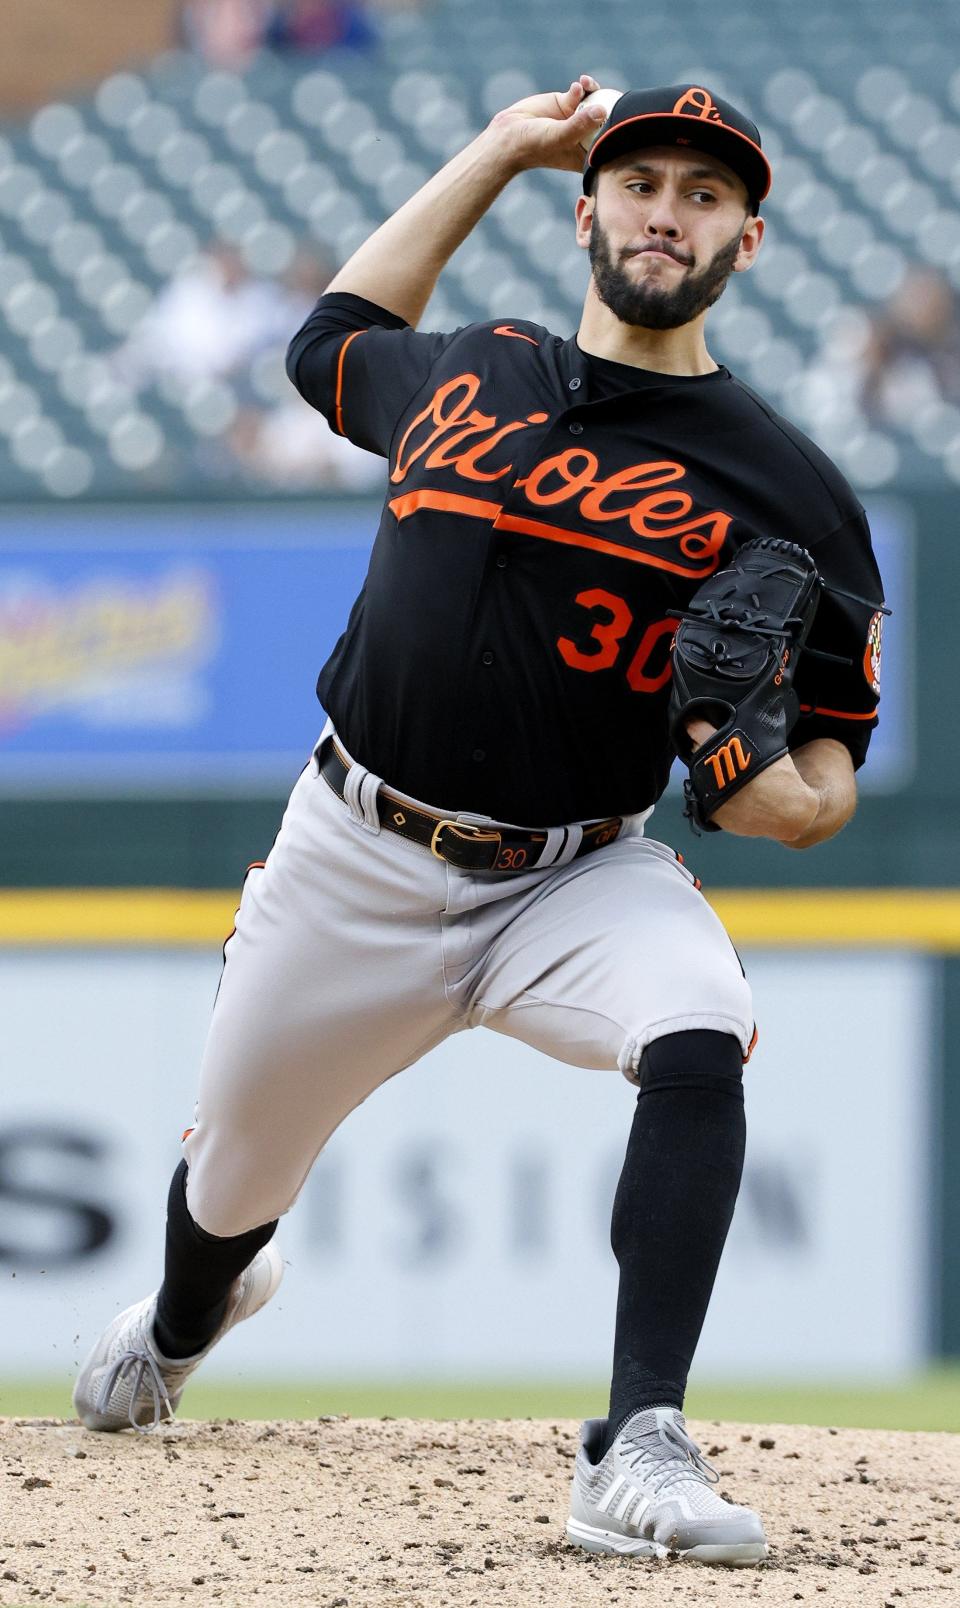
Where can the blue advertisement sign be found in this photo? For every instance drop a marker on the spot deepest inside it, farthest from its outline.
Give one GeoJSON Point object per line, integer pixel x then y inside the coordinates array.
{"type": "Point", "coordinates": [892, 757]}
{"type": "Point", "coordinates": [174, 650]}
{"type": "Point", "coordinates": [177, 649]}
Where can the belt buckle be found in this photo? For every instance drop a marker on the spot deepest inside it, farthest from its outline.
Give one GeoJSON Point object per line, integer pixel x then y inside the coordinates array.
{"type": "Point", "coordinates": [466, 829]}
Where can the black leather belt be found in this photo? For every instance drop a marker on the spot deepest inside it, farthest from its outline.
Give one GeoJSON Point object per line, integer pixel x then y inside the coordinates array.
{"type": "Point", "coordinates": [460, 843]}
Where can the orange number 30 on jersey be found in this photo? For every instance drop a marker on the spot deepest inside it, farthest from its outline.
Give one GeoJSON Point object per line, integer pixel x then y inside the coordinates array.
{"type": "Point", "coordinates": [613, 619]}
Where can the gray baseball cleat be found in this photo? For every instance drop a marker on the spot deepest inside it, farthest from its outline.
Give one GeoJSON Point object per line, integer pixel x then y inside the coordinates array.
{"type": "Point", "coordinates": [127, 1383]}
{"type": "Point", "coordinates": [651, 1496]}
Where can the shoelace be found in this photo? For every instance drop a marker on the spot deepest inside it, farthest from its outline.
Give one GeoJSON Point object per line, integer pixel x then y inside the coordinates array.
{"type": "Point", "coordinates": [678, 1444]}
{"type": "Point", "coordinates": [141, 1366]}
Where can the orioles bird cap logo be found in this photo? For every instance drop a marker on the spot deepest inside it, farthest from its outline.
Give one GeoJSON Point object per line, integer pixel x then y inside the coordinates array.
{"type": "Point", "coordinates": [697, 102]}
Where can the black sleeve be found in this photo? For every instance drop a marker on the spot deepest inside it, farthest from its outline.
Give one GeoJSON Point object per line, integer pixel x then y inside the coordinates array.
{"type": "Point", "coordinates": [360, 365]}
{"type": "Point", "coordinates": [840, 700]}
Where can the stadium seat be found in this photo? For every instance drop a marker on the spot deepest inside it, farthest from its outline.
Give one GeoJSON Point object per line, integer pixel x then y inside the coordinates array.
{"type": "Point", "coordinates": [106, 196]}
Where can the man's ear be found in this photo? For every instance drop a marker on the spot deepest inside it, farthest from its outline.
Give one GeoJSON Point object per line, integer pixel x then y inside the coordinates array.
{"type": "Point", "coordinates": [583, 212]}
{"type": "Point", "coordinates": [749, 244]}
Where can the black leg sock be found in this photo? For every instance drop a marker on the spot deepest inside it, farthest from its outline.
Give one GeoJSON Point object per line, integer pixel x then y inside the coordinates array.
{"type": "Point", "coordinates": [673, 1207]}
{"type": "Point", "coordinates": [199, 1270]}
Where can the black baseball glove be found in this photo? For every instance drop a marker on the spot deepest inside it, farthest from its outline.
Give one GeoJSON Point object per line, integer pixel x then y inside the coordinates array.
{"type": "Point", "coordinates": [734, 659]}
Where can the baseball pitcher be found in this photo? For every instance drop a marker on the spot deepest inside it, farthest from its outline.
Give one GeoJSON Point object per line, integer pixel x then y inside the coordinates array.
{"type": "Point", "coordinates": [595, 552]}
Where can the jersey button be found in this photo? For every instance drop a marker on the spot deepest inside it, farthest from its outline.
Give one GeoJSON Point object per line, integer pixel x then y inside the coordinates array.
{"type": "Point", "coordinates": [479, 755]}
{"type": "Point", "coordinates": [576, 429]}
{"type": "Point", "coordinates": [486, 658]}
{"type": "Point", "coordinates": [501, 561]}
{"type": "Point", "coordinates": [575, 385]}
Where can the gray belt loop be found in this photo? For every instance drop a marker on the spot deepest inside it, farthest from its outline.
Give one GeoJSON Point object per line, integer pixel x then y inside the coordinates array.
{"type": "Point", "coordinates": [549, 854]}
{"type": "Point", "coordinates": [351, 792]}
{"type": "Point", "coordinates": [574, 840]}
{"type": "Point", "coordinates": [360, 788]}
{"type": "Point", "coordinates": [369, 788]}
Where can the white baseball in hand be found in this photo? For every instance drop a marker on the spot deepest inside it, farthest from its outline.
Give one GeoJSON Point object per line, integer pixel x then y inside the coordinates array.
{"type": "Point", "coordinates": [607, 98]}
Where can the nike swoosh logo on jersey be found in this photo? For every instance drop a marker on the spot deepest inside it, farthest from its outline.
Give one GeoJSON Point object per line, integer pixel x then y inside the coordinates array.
{"type": "Point", "coordinates": [504, 329]}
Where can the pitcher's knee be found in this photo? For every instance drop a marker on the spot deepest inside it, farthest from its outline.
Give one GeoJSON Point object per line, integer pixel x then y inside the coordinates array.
{"type": "Point", "coordinates": [726, 1009]}
{"type": "Point", "coordinates": [229, 1190]}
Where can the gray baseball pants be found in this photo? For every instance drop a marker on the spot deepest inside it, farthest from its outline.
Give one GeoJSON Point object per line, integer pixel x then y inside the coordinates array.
{"type": "Point", "coordinates": [355, 952]}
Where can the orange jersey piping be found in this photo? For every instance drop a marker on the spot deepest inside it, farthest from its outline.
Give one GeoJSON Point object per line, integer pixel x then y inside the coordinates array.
{"type": "Point", "coordinates": [338, 401]}
{"type": "Point", "coordinates": [837, 714]}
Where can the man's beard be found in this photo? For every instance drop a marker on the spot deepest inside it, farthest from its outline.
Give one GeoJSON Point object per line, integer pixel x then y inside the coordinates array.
{"type": "Point", "coordinates": [653, 304]}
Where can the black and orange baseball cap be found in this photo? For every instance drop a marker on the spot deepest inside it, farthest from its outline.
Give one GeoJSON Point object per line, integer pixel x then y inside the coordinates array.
{"type": "Point", "coordinates": [683, 114]}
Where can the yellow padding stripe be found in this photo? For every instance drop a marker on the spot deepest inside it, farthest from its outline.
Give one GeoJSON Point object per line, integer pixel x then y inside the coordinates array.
{"type": "Point", "coordinates": [137, 917]}
{"type": "Point", "coordinates": [884, 918]}
{"type": "Point", "coordinates": [823, 918]}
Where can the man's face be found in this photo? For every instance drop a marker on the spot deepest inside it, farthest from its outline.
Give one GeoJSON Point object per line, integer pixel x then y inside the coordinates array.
{"type": "Point", "coordinates": [668, 228]}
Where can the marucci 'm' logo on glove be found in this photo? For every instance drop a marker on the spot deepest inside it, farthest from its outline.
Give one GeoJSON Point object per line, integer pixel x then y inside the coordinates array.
{"type": "Point", "coordinates": [734, 659]}
{"type": "Point", "coordinates": [729, 760]}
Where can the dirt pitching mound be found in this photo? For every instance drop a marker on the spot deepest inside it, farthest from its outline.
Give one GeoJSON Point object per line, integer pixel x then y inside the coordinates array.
{"type": "Point", "coordinates": [342, 1512]}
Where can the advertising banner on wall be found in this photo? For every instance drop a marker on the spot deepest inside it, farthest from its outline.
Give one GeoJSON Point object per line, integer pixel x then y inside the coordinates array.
{"type": "Point", "coordinates": [171, 649]}
{"type": "Point", "coordinates": [457, 1225]}
{"type": "Point", "coordinates": [177, 649]}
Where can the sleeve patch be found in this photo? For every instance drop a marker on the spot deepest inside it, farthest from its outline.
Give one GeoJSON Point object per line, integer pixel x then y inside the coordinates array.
{"type": "Point", "coordinates": [872, 652]}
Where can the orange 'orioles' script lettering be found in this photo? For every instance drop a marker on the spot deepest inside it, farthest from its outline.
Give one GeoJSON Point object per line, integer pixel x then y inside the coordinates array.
{"type": "Point", "coordinates": [447, 413]}
{"type": "Point", "coordinates": [727, 761]}
{"type": "Point", "coordinates": [451, 433]}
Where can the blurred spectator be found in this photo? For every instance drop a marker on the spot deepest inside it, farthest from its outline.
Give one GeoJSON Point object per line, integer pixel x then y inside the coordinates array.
{"type": "Point", "coordinates": [913, 351]}
{"type": "Point", "coordinates": [226, 33]}
{"type": "Point", "coordinates": [211, 320]}
{"type": "Point", "coordinates": [291, 447]}
{"type": "Point", "coordinates": [215, 321]}
{"type": "Point", "coordinates": [883, 368]}
{"type": "Point", "coordinates": [310, 27]}
{"type": "Point", "coordinates": [304, 283]}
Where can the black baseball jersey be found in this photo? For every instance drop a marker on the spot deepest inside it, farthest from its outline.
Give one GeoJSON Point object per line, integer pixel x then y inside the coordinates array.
{"type": "Point", "coordinates": [509, 653]}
